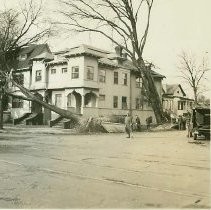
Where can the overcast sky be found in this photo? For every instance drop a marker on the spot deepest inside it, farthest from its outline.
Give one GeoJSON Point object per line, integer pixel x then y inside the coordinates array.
{"type": "Point", "coordinates": [176, 25]}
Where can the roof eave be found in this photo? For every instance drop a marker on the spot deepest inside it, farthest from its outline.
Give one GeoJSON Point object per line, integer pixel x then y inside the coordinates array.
{"type": "Point", "coordinates": [82, 54]}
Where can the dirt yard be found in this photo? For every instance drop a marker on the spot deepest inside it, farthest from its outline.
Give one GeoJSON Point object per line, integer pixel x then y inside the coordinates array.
{"type": "Point", "coordinates": [58, 170]}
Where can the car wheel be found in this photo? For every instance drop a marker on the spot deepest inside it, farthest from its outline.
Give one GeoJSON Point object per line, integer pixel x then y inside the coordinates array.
{"type": "Point", "coordinates": [195, 136]}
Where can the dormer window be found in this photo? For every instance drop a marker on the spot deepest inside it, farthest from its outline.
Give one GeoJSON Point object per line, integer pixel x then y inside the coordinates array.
{"type": "Point", "coordinates": [22, 57]}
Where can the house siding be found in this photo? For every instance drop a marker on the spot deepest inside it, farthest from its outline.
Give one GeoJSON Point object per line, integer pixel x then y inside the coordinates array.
{"type": "Point", "coordinates": [88, 91]}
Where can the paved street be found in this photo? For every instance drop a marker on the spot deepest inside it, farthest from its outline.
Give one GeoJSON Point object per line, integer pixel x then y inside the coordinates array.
{"type": "Point", "coordinates": [152, 170]}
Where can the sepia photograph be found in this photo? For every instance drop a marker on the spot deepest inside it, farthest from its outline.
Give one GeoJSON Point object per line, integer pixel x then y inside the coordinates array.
{"type": "Point", "coordinates": [105, 104]}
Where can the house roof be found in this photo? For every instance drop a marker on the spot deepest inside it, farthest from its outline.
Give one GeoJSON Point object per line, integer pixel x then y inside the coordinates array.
{"type": "Point", "coordinates": [129, 65]}
{"type": "Point", "coordinates": [170, 89]}
{"type": "Point", "coordinates": [107, 62]}
{"type": "Point", "coordinates": [40, 51]}
{"type": "Point", "coordinates": [87, 50]}
{"type": "Point", "coordinates": [104, 57]}
{"type": "Point", "coordinates": [43, 55]}
{"type": "Point", "coordinates": [58, 61]}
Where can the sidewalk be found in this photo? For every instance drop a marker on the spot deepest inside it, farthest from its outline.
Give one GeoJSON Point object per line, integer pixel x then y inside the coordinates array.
{"type": "Point", "coordinates": [34, 129]}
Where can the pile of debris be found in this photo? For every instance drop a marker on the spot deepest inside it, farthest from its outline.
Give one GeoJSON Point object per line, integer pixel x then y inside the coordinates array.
{"type": "Point", "coordinates": [164, 127]}
{"type": "Point", "coordinates": [99, 125]}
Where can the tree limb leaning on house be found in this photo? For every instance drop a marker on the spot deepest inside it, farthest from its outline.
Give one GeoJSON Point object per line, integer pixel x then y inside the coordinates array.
{"type": "Point", "coordinates": [118, 21]}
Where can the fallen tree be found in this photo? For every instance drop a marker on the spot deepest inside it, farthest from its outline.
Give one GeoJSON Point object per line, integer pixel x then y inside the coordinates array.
{"type": "Point", "coordinates": [19, 27]}
{"type": "Point", "coordinates": [31, 97]}
{"type": "Point", "coordinates": [126, 24]}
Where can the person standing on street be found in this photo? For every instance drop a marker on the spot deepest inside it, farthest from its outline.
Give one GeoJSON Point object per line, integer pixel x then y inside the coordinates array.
{"type": "Point", "coordinates": [138, 123]}
{"type": "Point", "coordinates": [180, 122]}
{"type": "Point", "coordinates": [128, 125]}
{"type": "Point", "coordinates": [148, 122]}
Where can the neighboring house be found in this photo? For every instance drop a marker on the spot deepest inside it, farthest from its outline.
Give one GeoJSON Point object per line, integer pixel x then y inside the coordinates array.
{"type": "Point", "coordinates": [85, 80]}
{"type": "Point", "coordinates": [175, 100]}
{"type": "Point", "coordinates": [29, 68]}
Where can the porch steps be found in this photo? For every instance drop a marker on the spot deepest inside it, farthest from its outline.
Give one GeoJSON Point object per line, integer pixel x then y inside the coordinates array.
{"type": "Point", "coordinates": [26, 120]}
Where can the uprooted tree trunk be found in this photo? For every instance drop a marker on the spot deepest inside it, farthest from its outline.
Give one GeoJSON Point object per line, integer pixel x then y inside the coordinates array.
{"type": "Point", "coordinates": [1, 108]}
{"type": "Point", "coordinates": [119, 21]}
{"type": "Point", "coordinates": [152, 92]}
{"type": "Point", "coordinates": [30, 96]}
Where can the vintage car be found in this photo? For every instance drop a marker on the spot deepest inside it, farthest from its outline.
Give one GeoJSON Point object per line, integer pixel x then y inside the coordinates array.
{"type": "Point", "coordinates": [201, 122]}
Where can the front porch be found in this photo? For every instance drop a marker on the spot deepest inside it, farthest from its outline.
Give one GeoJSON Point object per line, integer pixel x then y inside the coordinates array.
{"type": "Point", "coordinates": [82, 101]}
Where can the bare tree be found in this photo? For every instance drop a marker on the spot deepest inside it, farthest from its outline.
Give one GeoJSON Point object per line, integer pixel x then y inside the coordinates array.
{"type": "Point", "coordinates": [203, 100]}
{"type": "Point", "coordinates": [19, 29]}
{"type": "Point", "coordinates": [125, 23]}
{"type": "Point", "coordinates": [193, 73]}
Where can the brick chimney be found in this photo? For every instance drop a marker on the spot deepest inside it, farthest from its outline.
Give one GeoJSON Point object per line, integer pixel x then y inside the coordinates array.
{"type": "Point", "coordinates": [118, 50]}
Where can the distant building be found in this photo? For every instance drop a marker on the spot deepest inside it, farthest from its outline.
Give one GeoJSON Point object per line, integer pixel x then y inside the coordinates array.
{"type": "Point", "coordinates": [84, 79]}
{"type": "Point", "coordinates": [175, 100]}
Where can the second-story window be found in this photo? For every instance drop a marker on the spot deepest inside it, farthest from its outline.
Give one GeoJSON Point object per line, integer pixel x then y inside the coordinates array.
{"type": "Point", "coordinates": [102, 75]}
{"type": "Point", "coordinates": [124, 79]}
{"type": "Point", "coordinates": [181, 105]}
{"type": "Point", "coordinates": [116, 77]}
{"type": "Point", "coordinates": [138, 82]}
{"type": "Point", "coordinates": [53, 71]}
{"type": "Point", "coordinates": [75, 72]}
{"type": "Point", "coordinates": [64, 70]}
{"type": "Point", "coordinates": [90, 73]}
{"type": "Point", "coordinates": [38, 75]}
{"type": "Point", "coordinates": [19, 78]}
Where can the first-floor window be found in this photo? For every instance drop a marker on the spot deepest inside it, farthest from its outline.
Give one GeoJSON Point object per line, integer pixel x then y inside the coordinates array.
{"type": "Point", "coordinates": [64, 70]}
{"type": "Point", "coordinates": [124, 102]}
{"type": "Point", "coordinates": [115, 101]}
{"type": "Point", "coordinates": [38, 76]}
{"type": "Point", "coordinates": [101, 97]}
{"type": "Point", "coordinates": [139, 103]}
{"type": "Point", "coordinates": [75, 72]}
{"type": "Point", "coordinates": [17, 103]}
{"type": "Point", "coordinates": [58, 100]}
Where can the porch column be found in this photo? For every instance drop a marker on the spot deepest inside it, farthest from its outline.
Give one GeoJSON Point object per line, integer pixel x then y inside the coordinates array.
{"type": "Point", "coordinates": [82, 104]}
{"type": "Point", "coordinates": [97, 101]}
{"type": "Point", "coordinates": [64, 104]}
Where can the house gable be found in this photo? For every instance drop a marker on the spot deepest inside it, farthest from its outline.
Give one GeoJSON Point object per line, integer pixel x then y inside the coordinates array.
{"type": "Point", "coordinates": [174, 90]}
{"type": "Point", "coordinates": [27, 54]}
